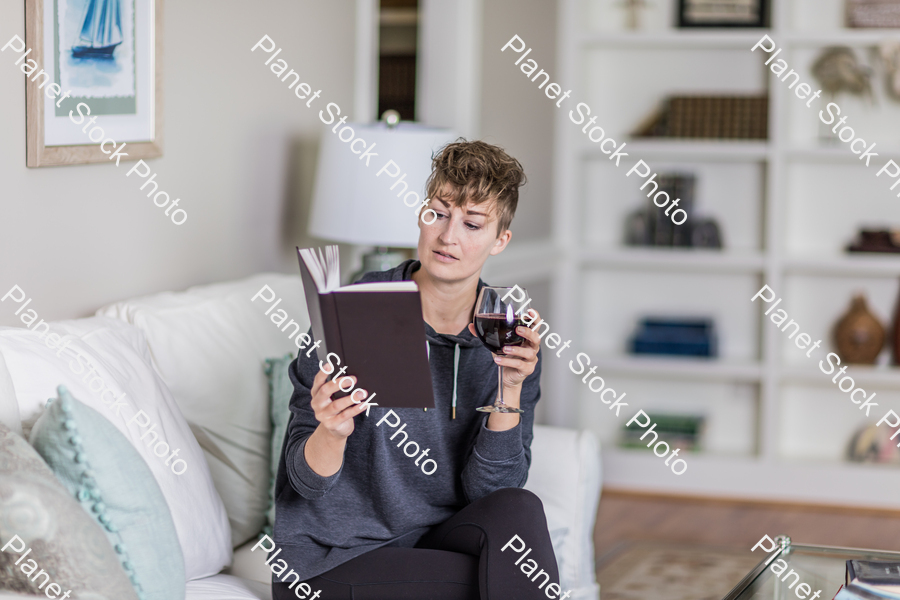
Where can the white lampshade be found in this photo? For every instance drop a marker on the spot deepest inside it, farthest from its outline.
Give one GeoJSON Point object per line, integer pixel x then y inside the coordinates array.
{"type": "Point", "coordinates": [352, 204]}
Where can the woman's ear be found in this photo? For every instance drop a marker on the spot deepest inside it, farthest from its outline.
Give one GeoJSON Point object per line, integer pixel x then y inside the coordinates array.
{"type": "Point", "coordinates": [501, 242]}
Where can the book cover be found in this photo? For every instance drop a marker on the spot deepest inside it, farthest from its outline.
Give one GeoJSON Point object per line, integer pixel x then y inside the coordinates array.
{"type": "Point", "coordinates": [375, 328]}
{"type": "Point", "coordinates": [880, 574]}
{"type": "Point", "coordinates": [858, 592]}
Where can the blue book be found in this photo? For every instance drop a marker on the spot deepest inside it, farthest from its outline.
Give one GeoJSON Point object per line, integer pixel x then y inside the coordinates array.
{"type": "Point", "coordinates": [682, 337]}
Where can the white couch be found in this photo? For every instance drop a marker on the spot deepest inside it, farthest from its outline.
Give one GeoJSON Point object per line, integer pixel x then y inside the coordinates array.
{"type": "Point", "coordinates": [208, 345]}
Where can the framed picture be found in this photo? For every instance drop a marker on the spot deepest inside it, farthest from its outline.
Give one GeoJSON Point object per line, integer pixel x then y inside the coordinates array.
{"type": "Point", "coordinates": [723, 13]}
{"type": "Point", "coordinates": [94, 80]}
{"type": "Point", "coordinates": [873, 13]}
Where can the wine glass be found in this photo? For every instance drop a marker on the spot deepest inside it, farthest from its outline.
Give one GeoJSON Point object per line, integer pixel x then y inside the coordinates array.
{"type": "Point", "coordinates": [496, 321]}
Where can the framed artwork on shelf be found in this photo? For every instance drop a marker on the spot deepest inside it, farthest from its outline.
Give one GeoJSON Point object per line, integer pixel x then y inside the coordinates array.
{"type": "Point", "coordinates": [93, 80]}
{"type": "Point", "coordinates": [873, 13]}
{"type": "Point", "coordinates": [723, 13]}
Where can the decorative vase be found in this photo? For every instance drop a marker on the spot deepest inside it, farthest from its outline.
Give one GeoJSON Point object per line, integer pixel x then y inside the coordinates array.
{"type": "Point", "coordinates": [858, 335]}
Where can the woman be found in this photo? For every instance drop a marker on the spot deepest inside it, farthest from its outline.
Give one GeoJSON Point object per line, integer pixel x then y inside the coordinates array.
{"type": "Point", "coordinates": [356, 518]}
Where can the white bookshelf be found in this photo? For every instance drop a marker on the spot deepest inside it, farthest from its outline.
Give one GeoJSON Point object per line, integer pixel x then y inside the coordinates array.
{"type": "Point", "coordinates": [776, 426]}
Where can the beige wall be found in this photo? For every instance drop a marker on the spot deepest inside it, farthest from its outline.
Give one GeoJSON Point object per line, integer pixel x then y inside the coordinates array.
{"type": "Point", "coordinates": [515, 113]}
{"type": "Point", "coordinates": [238, 147]}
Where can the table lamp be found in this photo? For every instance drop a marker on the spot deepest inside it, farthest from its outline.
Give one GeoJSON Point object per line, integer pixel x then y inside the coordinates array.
{"type": "Point", "coordinates": [355, 204]}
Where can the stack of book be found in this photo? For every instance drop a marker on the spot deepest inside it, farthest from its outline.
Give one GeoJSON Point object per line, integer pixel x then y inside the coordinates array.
{"type": "Point", "coordinates": [711, 117]}
{"type": "Point", "coordinates": [650, 226]}
{"type": "Point", "coordinates": [679, 431]}
{"type": "Point", "coordinates": [870, 580]}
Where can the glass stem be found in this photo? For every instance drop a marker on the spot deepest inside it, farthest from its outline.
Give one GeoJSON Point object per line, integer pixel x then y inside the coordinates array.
{"type": "Point", "coordinates": [500, 386]}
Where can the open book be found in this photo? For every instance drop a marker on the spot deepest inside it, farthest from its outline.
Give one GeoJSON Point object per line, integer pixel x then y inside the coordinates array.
{"type": "Point", "coordinates": [376, 329]}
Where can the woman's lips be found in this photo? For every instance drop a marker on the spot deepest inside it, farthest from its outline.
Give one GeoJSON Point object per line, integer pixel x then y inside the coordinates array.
{"type": "Point", "coordinates": [444, 257]}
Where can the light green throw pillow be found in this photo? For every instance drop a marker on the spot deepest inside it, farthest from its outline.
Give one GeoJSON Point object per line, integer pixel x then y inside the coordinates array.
{"type": "Point", "coordinates": [100, 467]}
{"type": "Point", "coordinates": [280, 391]}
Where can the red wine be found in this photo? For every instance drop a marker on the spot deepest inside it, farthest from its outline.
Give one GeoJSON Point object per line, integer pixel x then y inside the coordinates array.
{"type": "Point", "coordinates": [496, 331]}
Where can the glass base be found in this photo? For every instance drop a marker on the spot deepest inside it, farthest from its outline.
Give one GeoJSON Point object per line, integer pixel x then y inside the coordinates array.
{"type": "Point", "coordinates": [499, 409]}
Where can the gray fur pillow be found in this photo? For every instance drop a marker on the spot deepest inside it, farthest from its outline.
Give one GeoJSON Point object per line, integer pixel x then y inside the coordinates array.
{"type": "Point", "coordinates": [69, 552]}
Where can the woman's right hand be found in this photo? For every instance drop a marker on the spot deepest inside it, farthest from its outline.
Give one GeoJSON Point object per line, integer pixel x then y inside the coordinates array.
{"type": "Point", "coordinates": [335, 416]}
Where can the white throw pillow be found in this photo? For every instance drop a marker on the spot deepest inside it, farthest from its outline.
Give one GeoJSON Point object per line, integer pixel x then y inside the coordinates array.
{"type": "Point", "coordinates": [9, 406]}
{"type": "Point", "coordinates": [105, 363]}
{"type": "Point", "coordinates": [209, 344]}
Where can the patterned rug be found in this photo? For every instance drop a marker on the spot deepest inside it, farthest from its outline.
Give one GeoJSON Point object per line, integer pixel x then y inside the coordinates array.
{"type": "Point", "coordinates": [660, 571]}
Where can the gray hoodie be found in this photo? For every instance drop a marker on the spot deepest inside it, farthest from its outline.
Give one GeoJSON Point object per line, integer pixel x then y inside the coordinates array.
{"type": "Point", "coordinates": [380, 497]}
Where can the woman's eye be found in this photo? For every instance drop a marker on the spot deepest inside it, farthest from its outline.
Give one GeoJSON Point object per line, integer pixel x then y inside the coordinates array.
{"type": "Point", "coordinates": [473, 226]}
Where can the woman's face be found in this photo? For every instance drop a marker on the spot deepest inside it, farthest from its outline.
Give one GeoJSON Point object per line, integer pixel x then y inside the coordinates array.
{"type": "Point", "coordinates": [457, 244]}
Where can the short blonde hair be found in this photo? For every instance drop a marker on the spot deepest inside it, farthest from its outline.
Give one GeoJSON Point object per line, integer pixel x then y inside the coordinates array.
{"type": "Point", "coordinates": [479, 172]}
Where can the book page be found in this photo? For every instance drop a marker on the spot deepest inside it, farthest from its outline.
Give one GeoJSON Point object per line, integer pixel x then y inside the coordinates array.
{"type": "Point", "coordinates": [381, 286]}
{"type": "Point", "coordinates": [325, 269]}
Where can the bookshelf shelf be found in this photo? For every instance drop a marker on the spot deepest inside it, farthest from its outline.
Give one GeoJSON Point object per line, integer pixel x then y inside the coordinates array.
{"type": "Point", "coordinates": [787, 207]}
{"type": "Point", "coordinates": [678, 368]}
{"type": "Point", "coordinates": [676, 39]}
{"type": "Point", "coordinates": [868, 265]}
{"type": "Point", "coordinates": [839, 154]}
{"type": "Point", "coordinates": [705, 150]}
{"type": "Point", "coordinates": [668, 259]}
{"type": "Point", "coordinates": [729, 476]}
{"type": "Point", "coordinates": [846, 37]}
{"type": "Point", "coordinates": [863, 375]}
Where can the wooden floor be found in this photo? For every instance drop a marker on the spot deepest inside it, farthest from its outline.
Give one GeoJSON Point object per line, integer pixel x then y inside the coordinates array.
{"type": "Point", "coordinates": [628, 516]}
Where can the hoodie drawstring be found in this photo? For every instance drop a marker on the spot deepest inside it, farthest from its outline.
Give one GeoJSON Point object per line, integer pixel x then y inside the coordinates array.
{"type": "Point", "coordinates": [455, 373]}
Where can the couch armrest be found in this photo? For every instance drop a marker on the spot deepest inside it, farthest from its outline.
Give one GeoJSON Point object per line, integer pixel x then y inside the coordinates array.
{"type": "Point", "coordinates": [566, 475]}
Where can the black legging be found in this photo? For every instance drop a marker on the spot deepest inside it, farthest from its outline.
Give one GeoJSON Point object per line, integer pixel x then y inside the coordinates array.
{"type": "Point", "coordinates": [460, 559]}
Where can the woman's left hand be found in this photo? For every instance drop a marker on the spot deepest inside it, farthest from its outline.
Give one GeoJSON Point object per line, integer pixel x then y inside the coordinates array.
{"type": "Point", "coordinates": [518, 361]}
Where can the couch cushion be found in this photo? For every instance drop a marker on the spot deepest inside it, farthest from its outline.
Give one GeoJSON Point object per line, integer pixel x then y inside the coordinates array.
{"type": "Point", "coordinates": [226, 587]}
{"type": "Point", "coordinates": [565, 475]}
{"type": "Point", "coordinates": [64, 541]}
{"type": "Point", "coordinates": [102, 470]}
{"type": "Point", "coordinates": [251, 565]}
{"type": "Point", "coordinates": [105, 362]}
{"type": "Point", "coordinates": [210, 344]}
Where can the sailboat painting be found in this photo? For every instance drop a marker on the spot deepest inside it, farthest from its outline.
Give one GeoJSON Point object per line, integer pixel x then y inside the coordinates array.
{"type": "Point", "coordinates": [96, 48]}
{"type": "Point", "coordinates": [102, 30]}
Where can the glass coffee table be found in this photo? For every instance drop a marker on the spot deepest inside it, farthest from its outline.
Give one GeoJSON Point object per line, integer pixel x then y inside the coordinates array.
{"type": "Point", "coordinates": [822, 567]}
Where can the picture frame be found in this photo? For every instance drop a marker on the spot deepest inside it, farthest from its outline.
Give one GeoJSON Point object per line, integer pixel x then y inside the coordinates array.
{"type": "Point", "coordinates": [867, 14]}
{"type": "Point", "coordinates": [723, 13]}
{"type": "Point", "coordinates": [108, 55]}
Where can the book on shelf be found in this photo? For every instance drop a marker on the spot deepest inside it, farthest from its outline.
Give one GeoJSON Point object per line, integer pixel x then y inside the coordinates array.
{"type": "Point", "coordinates": [859, 592]}
{"type": "Point", "coordinates": [877, 576]}
{"type": "Point", "coordinates": [709, 117]}
{"type": "Point", "coordinates": [675, 336]}
{"type": "Point", "coordinates": [650, 226]}
{"type": "Point", "coordinates": [375, 328]}
{"type": "Point", "coordinates": [683, 431]}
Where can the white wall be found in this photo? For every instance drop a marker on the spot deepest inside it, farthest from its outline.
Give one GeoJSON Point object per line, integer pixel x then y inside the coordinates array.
{"type": "Point", "coordinates": [240, 151]}
{"type": "Point", "coordinates": [466, 83]}
{"type": "Point", "coordinates": [239, 146]}
{"type": "Point", "coordinates": [449, 65]}
{"type": "Point", "coordinates": [517, 115]}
